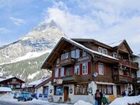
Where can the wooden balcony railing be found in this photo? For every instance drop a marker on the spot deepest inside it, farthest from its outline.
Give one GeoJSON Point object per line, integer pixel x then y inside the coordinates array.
{"type": "Point", "coordinates": [129, 64]}
{"type": "Point", "coordinates": [68, 61]}
{"type": "Point", "coordinates": [77, 78]}
{"type": "Point", "coordinates": [123, 79]}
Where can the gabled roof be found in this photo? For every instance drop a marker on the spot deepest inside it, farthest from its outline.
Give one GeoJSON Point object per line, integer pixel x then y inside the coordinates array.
{"type": "Point", "coordinates": [40, 82]}
{"type": "Point", "coordinates": [63, 39]}
{"type": "Point", "coordinates": [127, 46]}
{"type": "Point", "coordinates": [93, 41]}
{"type": "Point", "coordinates": [2, 79]}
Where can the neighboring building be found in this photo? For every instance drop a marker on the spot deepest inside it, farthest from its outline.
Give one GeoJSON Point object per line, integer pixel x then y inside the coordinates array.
{"type": "Point", "coordinates": [13, 82]}
{"type": "Point", "coordinates": [137, 59]}
{"type": "Point", "coordinates": [5, 90]}
{"type": "Point", "coordinates": [80, 66]}
{"type": "Point", "coordinates": [41, 86]}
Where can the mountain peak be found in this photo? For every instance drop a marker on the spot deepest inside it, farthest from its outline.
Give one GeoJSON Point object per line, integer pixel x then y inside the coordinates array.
{"type": "Point", "coordinates": [45, 25]}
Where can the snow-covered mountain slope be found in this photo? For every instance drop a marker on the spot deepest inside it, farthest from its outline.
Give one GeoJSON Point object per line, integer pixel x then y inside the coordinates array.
{"type": "Point", "coordinates": [25, 55]}
{"type": "Point", "coordinates": [42, 38]}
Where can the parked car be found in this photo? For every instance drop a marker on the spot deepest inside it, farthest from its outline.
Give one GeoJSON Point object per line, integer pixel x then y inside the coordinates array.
{"type": "Point", "coordinates": [24, 96]}
{"type": "Point", "coordinates": [16, 95]}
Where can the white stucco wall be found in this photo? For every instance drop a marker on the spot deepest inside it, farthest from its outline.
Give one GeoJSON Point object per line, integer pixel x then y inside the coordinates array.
{"type": "Point", "coordinates": [88, 98]}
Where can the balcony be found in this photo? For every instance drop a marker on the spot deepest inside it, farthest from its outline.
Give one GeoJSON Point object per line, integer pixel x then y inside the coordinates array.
{"type": "Point", "coordinates": [68, 61]}
{"type": "Point", "coordinates": [122, 79]}
{"type": "Point", "coordinates": [77, 78]}
{"type": "Point", "coordinates": [130, 64]}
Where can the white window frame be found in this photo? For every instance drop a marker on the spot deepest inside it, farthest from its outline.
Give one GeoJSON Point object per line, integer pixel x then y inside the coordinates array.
{"type": "Point", "coordinates": [101, 68]}
{"type": "Point", "coordinates": [100, 49]}
{"type": "Point", "coordinates": [115, 54]}
{"type": "Point", "coordinates": [77, 53]}
{"type": "Point", "coordinates": [84, 68]}
{"type": "Point", "coordinates": [65, 56]}
{"type": "Point", "coordinates": [77, 69]}
{"type": "Point", "coordinates": [56, 72]}
{"type": "Point", "coordinates": [73, 54]}
{"type": "Point", "coordinates": [105, 51]}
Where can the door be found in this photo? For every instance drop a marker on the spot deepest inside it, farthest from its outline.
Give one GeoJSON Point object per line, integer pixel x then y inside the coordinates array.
{"type": "Point", "coordinates": [66, 93]}
{"type": "Point", "coordinates": [118, 90]}
{"type": "Point", "coordinates": [45, 91]}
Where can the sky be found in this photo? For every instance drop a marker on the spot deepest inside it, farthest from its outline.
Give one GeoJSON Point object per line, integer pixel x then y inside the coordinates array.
{"type": "Point", "coordinates": [107, 21]}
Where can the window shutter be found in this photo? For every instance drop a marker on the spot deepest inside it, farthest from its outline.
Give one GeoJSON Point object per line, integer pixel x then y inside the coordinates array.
{"type": "Point", "coordinates": [80, 69]}
{"type": "Point", "coordinates": [89, 67]}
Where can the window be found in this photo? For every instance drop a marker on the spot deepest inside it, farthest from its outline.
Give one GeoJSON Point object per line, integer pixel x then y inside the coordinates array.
{"type": "Point", "coordinates": [105, 51]}
{"type": "Point", "coordinates": [62, 72]}
{"type": "Point", "coordinates": [77, 70]}
{"type": "Point", "coordinates": [64, 56]}
{"type": "Point", "coordinates": [68, 71]}
{"type": "Point", "coordinates": [101, 68]}
{"type": "Point", "coordinates": [84, 54]}
{"type": "Point", "coordinates": [75, 53]}
{"type": "Point", "coordinates": [56, 72]}
{"type": "Point", "coordinates": [100, 49]}
{"type": "Point", "coordinates": [115, 54]}
{"type": "Point", "coordinates": [107, 89]}
{"type": "Point", "coordinates": [81, 89]}
{"type": "Point", "coordinates": [57, 61]}
{"type": "Point", "coordinates": [17, 86]}
{"type": "Point", "coordinates": [13, 80]}
{"type": "Point", "coordinates": [85, 68]}
{"type": "Point", "coordinates": [58, 90]}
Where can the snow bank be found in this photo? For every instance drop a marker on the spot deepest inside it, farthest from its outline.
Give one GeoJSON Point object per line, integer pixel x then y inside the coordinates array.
{"type": "Point", "coordinates": [126, 100]}
{"type": "Point", "coordinates": [5, 89]}
{"type": "Point", "coordinates": [81, 102]}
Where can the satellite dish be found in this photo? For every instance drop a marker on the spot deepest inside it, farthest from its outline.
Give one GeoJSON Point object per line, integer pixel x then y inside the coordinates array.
{"type": "Point", "coordinates": [95, 74]}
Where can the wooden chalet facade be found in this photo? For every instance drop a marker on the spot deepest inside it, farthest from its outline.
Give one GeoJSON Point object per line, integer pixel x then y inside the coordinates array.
{"type": "Point", "coordinates": [80, 66]}
{"type": "Point", "coordinates": [13, 82]}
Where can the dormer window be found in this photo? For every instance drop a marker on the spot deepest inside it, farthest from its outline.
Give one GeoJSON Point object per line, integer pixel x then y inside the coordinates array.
{"type": "Point", "coordinates": [105, 51]}
{"type": "Point", "coordinates": [102, 50]}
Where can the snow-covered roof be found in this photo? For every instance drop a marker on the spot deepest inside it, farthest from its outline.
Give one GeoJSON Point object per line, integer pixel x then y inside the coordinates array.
{"type": "Point", "coordinates": [5, 78]}
{"type": "Point", "coordinates": [37, 82]}
{"type": "Point", "coordinates": [92, 52]}
{"type": "Point", "coordinates": [114, 44]}
{"type": "Point", "coordinates": [5, 89]}
{"type": "Point", "coordinates": [9, 77]}
{"type": "Point", "coordinates": [89, 50]}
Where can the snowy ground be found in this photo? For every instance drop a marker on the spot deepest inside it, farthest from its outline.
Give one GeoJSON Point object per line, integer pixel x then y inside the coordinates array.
{"type": "Point", "coordinates": [125, 100]}
{"type": "Point", "coordinates": [118, 101]}
{"type": "Point", "coordinates": [9, 98]}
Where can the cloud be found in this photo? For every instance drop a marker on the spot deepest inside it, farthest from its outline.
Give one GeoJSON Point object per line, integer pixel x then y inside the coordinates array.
{"type": "Point", "coordinates": [17, 21]}
{"type": "Point", "coordinates": [4, 30]}
{"type": "Point", "coordinates": [107, 21]}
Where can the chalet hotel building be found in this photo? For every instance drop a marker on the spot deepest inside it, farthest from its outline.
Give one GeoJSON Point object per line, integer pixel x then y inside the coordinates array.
{"type": "Point", "coordinates": [80, 66]}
